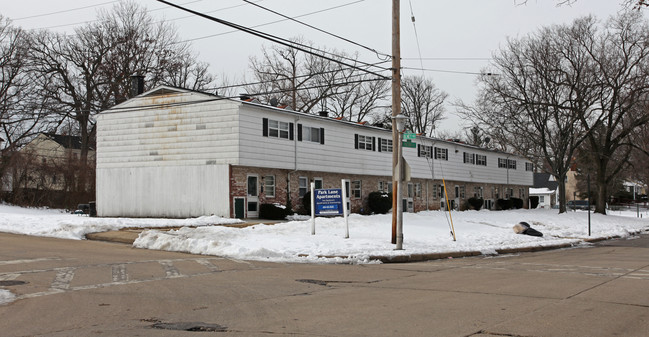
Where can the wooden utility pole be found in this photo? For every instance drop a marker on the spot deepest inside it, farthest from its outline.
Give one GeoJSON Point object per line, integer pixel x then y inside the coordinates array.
{"type": "Point", "coordinates": [396, 110]}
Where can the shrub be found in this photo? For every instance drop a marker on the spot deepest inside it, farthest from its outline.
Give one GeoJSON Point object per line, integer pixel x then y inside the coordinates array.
{"type": "Point", "coordinates": [380, 202]}
{"type": "Point", "coordinates": [517, 203]}
{"type": "Point", "coordinates": [306, 202]}
{"type": "Point", "coordinates": [534, 202]}
{"type": "Point", "coordinates": [475, 203]}
{"type": "Point", "coordinates": [504, 204]}
{"type": "Point", "coordinates": [273, 211]}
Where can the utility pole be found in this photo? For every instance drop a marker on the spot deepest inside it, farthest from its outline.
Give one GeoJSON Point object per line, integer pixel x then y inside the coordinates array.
{"type": "Point", "coordinates": [396, 110]}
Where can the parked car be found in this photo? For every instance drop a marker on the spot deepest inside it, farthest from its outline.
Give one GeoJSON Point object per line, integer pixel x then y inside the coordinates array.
{"type": "Point", "coordinates": [578, 204]}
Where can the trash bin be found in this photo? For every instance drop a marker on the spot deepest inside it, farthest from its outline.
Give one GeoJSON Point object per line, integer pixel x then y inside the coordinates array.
{"type": "Point", "coordinates": [93, 208]}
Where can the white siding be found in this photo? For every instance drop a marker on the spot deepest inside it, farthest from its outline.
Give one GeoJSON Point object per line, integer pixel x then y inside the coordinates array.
{"type": "Point", "coordinates": [173, 191]}
{"type": "Point", "coordinates": [339, 154]}
{"type": "Point", "coordinates": [166, 162]}
{"type": "Point", "coordinates": [192, 134]}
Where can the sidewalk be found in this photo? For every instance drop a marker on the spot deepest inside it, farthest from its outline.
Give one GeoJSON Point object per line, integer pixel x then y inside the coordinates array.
{"type": "Point", "coordinates": [128, 236]}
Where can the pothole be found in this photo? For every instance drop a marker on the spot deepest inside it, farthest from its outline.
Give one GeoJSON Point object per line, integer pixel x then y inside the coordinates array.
{"type": "Point", "coordinates": [190, 326]}
{"type": "Point", "coordinates": [11, 283]}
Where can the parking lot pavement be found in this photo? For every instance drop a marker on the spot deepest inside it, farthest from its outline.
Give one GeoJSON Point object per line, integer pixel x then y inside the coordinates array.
{"type": "Point", "coordinates": [81, 288]}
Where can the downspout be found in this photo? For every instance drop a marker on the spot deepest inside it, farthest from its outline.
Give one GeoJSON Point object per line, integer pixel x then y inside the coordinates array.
{"type": "Point", "coordinates": [288, 176]}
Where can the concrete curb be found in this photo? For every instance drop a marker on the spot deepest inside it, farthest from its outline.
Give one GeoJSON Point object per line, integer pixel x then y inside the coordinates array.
{"type": "Point", "coordinates": [128, 236]}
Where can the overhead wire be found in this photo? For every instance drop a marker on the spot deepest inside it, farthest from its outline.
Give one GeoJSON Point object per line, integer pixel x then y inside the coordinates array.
{"type": "Point", "coordinates": [378, 54]}
{"type": "Point", "coordinates": [281, 41]}
{"type": "Point", "coordinates": [414, 26]}
{"type": "Point", "coordinates": [65, 11]}
{"type": "Point", "coordinates": [450, 71]}
{"type": "Point", "coordinates": [296, 77]}
{"type": "Point", "coordinates": [154, 10]}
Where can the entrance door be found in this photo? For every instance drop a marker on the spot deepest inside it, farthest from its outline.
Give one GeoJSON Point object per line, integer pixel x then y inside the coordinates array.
{"type": "Point", "coordinates": [253, 196]}
{"type": "Point", "coordinates": [239, 208]}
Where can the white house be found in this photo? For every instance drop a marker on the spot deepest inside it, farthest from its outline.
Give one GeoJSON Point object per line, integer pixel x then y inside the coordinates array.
{"type": "Point", "coordinates": [546, 197]}
{"type": "Point", "coordinates": [178, 153]}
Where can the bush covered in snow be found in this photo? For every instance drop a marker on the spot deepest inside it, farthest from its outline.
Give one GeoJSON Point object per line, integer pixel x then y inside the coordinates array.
{"type": "Point", "coordinates": [273, 211]}
{"type": "Point", "coordinates": [475, 203]}
{"type": "Point", "coordinates": [380, 202]}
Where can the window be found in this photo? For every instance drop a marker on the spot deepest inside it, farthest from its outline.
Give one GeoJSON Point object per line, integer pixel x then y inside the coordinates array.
{"type": "Point", "coordinates": [318, 182]}
{"type": "Point", "coordinates": [425, 151]}
{"type": "Point", "coordinates": [441, 153]}
{"type": "Point", "coordinates": [502, 163]}
{"type": "Point", "coordinates": [469, 158]}
{"type": "Point", "coordinates": [381, 186]}
{"type": "Point", "coordinates": [511, 164]}
{"type": "Point", "coordinates": [310, 134]}
{"type": "Point", "coordinates": [303, 185]}
{"type": "Point", "coordinates": [356, 189]}
{"type": "Point", "coordinates": [365, 142]}
{"type": "Point", "coordinates": [462, 192]}
{"type": "Point", "coordinates": [389, 187]}
{"type": "Point", "coordinates": [529, 167]}
{"type": "Point", "coordinates": [418, 190]}
{"type": "Point", "coordinates": [411, 190]}
{"type": "Point", "coordinates": [480, 160]}
{"type": "Point", "coordinates": [277, 129]}
{"type": "Point", "coordinates": [541, 199]}
{"type": "Point", "coordinates": [477, 192]}
{"type": "Point", "coordinates": [385, 145]}
{"type": "Point", "coordinates": [269, 186]}
{"type": "Point", "coordinates": [435, 188]}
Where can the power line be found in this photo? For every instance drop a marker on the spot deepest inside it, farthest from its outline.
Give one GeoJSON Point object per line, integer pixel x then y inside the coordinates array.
{"type": "Point", "coordinates": [450, 71]}
{"type": "Point", "coordinates": [273, 22]}
{"type": "Point", "coordinates": [278, 40]}
{"type": "Point", "coordinates": [65, 11]}
{"type": "Point", "coordinates": [153, 10]}
{"type": "Point", "coordinates": [414, 26]}
{"type": "Point", "coordinates": [448, 58]}
{"type": "Point", "coordinates": [321, 30]}
{"type": "Point", "coordinates": [271, 81]}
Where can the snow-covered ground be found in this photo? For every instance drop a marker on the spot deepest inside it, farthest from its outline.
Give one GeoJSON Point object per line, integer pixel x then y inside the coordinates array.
{"type": "Point", "coordinates": [425, 232]}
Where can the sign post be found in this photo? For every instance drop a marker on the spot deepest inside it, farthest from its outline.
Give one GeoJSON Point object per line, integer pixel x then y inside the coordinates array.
{"type": "Point", "coordinates": [327, 202]}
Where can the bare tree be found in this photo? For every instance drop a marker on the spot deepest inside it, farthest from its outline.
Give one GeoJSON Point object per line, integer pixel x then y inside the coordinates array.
{"type": "Point", "coordinates": [23, 110]}
{"type": "Point", "coordinates": [533, 105]}
{"type": "Point", "coordinates": [620, 56]}
{"type": "Point", "coordinates": [423, 103]}
{"type": "Point", "coordinates": [90, 71]}
{"type": "Point", "coordinates": [307, 82]}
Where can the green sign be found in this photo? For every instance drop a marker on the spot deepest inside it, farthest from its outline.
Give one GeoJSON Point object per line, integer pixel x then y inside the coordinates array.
{"type": "Point", "coordinates": [409, 135]}
{"type": "Point", "coordinates": [409, 143]}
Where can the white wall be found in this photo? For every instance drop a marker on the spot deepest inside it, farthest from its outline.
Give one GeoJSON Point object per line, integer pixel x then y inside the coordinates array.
{"type": "Point", "coordinates": [169, 191]}
{"type": "Point", "coordinates": [338, 154]}
{"type": "Point", "coordinates": [171, 161]}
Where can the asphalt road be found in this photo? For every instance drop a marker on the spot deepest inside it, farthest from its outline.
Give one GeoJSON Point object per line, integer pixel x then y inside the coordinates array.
{"type": "Point", "coordinates": [89, 288]}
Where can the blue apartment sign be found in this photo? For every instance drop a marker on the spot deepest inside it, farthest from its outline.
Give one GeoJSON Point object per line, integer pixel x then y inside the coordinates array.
{"type": "Point", "coordinates": [328, 201]}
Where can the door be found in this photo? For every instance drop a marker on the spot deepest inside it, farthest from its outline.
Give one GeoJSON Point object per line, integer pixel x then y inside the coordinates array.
{"type": "Point", "coordinates": [239, 208]}
{"type": "Point", "coordinates": [253, 196]}
{"type": "Point", "coordinates": [348, 199]}
{"type": "Point", "coordinates": [409, 205]}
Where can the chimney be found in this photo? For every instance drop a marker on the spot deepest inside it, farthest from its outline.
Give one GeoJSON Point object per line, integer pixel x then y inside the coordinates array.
{"type": "Point", "coordinates": [324, 113]}
{"type": "Point", "coordinates": [137, 85]}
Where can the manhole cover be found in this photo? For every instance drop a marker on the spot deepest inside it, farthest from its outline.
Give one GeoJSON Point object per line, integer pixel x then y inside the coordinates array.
{"type": "Point", "coordinates": [190, 326]}
{"type": "Point", "coordinates": [11, 283]}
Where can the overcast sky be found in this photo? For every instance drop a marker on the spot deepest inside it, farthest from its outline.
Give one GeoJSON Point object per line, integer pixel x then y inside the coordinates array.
{"type": "Point", "coordinates": [456, 37]}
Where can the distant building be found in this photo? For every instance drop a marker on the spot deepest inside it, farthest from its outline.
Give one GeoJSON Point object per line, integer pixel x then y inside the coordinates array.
{"type": "Point", "coordinates": [46, 172]}
{"type": "Point", "coordinates": [173, 152]}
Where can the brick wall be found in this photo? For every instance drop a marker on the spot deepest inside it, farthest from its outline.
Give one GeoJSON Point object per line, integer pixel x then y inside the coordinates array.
{"type": "Point", "coordinates": [428, 197]}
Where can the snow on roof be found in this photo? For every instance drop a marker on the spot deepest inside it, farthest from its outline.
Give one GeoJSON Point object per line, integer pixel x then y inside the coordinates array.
{"type": "Point", "coordinates": [543, 190]}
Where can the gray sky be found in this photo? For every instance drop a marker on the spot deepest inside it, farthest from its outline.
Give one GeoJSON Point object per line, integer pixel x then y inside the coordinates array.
{"type": "Point", "coordinates": [456, 37]}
